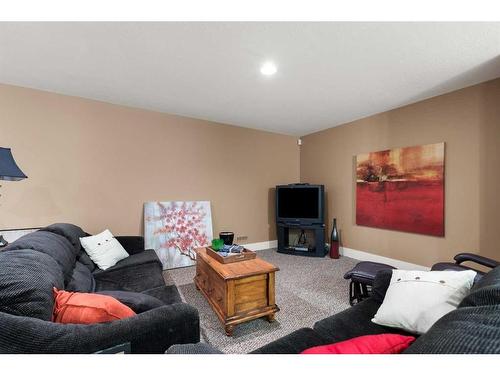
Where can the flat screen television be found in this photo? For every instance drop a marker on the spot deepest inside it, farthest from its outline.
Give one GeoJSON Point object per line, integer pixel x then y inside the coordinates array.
{"type": "Point", "coordinates": [300, 204]}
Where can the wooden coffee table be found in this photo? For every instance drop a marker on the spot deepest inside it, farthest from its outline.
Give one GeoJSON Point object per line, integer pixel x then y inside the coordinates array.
{"type": "Point", "coordinates": [238, 292]}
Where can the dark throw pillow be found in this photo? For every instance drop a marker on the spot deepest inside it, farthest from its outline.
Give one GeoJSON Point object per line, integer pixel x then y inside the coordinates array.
{"type": "Point", "coordinates": [58, 247]}
{"type": "Point", "coordinates": [27, 278]}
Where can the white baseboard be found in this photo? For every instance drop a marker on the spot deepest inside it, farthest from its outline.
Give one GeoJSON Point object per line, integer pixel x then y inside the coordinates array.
{"type": "Point", "coordinates": [351, 253]}
{"type": "Point", "coordinates": [363, 255]}
{"type": "Point", "coordinates": [256, 246]}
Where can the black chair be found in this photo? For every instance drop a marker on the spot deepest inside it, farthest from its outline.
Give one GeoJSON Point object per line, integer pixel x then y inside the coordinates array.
{"type": "Point", "coordinates": [466, 257]}
{"type": "Point", "coordinates": [363, 274]}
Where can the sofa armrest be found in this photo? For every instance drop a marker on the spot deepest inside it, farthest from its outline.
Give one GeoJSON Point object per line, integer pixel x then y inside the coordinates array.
{"type": "Point", "coordinates": [478, 259]}
{"type": "Point", "coordinates": [131, 244]}
{"type": "Point", "coordinates": [153, 331]}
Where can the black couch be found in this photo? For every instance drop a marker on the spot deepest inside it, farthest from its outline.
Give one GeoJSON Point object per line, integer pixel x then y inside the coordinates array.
{"type": "Point", "coordinates": [52, 257]}
{"type": "Point", "coordinates": [474, 327]}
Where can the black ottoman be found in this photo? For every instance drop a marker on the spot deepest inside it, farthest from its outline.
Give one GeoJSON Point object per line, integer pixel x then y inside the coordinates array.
{"type": "Point", "coordinates": [362, 276]}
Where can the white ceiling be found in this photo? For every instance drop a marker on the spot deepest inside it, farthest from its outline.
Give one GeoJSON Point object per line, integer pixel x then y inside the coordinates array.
{"type": "Point", "coordinates": [328, 73]}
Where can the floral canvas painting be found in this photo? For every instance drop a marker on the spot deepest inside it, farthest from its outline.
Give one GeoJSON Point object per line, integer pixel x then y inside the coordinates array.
{"type": "Point", "coordinates": [402, 189]}
{"type": "Point", "coordinates": [175, 229]}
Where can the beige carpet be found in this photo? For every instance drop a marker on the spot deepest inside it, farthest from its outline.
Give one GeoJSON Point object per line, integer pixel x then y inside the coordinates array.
{"type": "Point", "coordinates": [307, 290]}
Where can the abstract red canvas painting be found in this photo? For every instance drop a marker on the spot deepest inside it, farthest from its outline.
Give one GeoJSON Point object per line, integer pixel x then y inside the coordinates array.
{"type": "Point", "coordinates": [402, 189]}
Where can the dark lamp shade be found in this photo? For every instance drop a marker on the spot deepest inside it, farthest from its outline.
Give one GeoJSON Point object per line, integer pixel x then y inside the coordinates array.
{"type": "Point", "coordinates": [8, 168]}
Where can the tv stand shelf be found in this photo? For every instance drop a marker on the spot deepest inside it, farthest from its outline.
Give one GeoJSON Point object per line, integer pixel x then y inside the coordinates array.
{"type": "Point", "coordinates": [285, 247]}
{"type": "Point", "coordinates": [301, 253]}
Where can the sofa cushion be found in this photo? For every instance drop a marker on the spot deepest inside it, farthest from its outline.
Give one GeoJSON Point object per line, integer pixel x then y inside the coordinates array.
{"type": "Point", "coordinates": [58, 247]}
{"type": "Point", "coordinates": [293, 343]}
{"type": "Point", "coordinates": [81, 279]}
{"type": "Point", "coordinates": [466, 330]}
{"type": "Point", "coordinates": [353, 322]}
{"type": "Point", "coordinates": [168, 294]}
{"type": "Point", "coordinates": [474, 327]}
{"type": "Point", "coordinates": [485, 292]}
{"type": "Point", "coordinates": [69, 231]}
{"type": "Point", "coordinates": [139, 302]}
{"type": "Point", "coordinates": [26, 281]}
{"type": "Point", "coordinates": [138, 272]}
{"type": "Point", "coordinates": [144, 257]}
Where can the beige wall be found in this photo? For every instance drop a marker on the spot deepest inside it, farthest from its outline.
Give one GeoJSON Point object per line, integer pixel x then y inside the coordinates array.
{"type": "Point", "coordinates": [95, 164]}
{"type": "Point", "coordinates": [489, 167]}
{"type": "Point", "coordinates": [468, 121]}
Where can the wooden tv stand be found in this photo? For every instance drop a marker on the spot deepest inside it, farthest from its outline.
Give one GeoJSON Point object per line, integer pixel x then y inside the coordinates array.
{"type": "Point", "coordinates": [319, 239]}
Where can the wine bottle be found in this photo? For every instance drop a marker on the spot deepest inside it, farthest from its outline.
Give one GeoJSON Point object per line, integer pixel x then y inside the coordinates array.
{"type": "Point", "coordinates": [334, 241]}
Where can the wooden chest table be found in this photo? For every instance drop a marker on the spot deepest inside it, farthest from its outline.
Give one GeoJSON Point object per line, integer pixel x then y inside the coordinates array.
{"type": "Point", "coordinates": [238, 292]}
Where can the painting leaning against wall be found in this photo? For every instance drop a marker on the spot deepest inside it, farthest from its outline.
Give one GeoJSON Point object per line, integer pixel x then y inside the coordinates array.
{"type": "Point", "coordinates": [402, 189]}
{"type": "Point", "coordinates": [175, 229]}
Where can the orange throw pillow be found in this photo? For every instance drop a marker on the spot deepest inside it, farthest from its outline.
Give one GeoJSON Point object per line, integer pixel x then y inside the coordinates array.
{"type": "Point", "coordinates": [87, 308]}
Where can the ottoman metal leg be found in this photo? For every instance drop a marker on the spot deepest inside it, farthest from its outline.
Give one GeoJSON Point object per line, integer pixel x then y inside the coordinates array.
{"type": "Point", "coordinates": [355, 292]}
{"type": "Point", "coordinates": [365, 292]}
{"type": "Point", "coordinates": [351, 293]}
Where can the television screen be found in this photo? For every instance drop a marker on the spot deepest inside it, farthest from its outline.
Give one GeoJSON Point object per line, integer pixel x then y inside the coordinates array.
{"type": "Point", "coordinates": [298, 202]}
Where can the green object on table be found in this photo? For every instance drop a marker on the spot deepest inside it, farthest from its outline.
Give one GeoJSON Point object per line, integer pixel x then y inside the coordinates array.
{"type": "Point", "coordinates": [217, 244]}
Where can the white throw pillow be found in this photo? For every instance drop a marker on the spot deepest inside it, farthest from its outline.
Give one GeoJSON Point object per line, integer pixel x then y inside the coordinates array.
{"type": "Point", "coordinates": [104, 249]}
{"type": "Point", "coordinates": [415, 300]}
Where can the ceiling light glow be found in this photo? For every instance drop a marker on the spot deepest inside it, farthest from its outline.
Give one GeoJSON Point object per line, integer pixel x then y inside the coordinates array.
{"type": "Point", "coordinates": [268, 68]}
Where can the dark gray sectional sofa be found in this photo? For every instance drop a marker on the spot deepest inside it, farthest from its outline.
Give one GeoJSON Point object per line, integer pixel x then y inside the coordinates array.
{"type": "Point", "coordinates": [52, 257]}
{"type": "Point", "coordinates": [474, 327]}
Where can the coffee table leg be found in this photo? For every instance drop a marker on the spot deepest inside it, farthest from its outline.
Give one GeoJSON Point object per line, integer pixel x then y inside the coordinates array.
{"type": "Point", "coordinates": [270, 318]}
{"type": "Point", "coordinates": [229, 329]}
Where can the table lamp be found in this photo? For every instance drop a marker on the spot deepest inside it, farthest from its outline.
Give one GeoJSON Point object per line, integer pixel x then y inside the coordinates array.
{"type": "Point", "coordinates": [9, 171]}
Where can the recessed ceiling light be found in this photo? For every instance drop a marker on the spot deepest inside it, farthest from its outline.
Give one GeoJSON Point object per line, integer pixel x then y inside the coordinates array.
{"type": "Point", "coordinates": [268, 68]}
